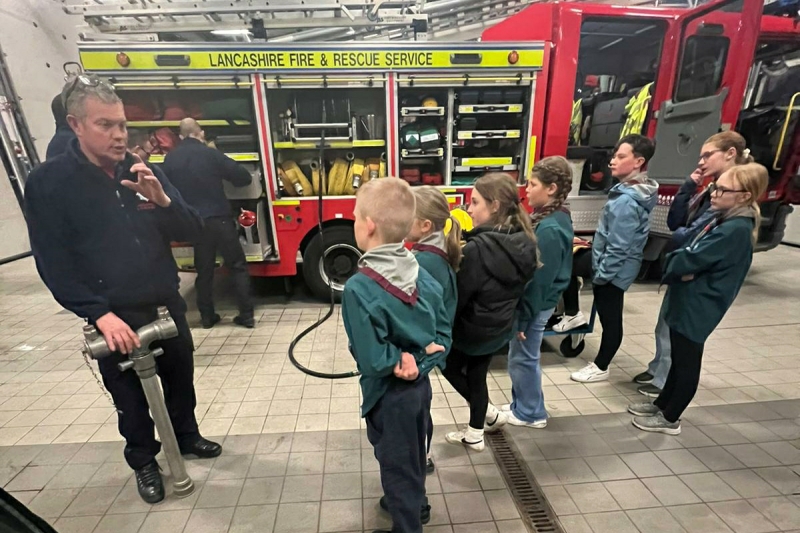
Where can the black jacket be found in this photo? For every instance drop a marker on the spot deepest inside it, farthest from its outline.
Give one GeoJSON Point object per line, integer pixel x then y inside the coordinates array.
{"type": "Point", "coordinates": [98, 245]}
{"type": "Point", "coordinates": [197, 172]}
{"type": "Point", "coordinates": [64, 134]}
{"type": "Point", "coordinates": [679, 215]}
{"type": "Point", "coordinates": [497, 265]}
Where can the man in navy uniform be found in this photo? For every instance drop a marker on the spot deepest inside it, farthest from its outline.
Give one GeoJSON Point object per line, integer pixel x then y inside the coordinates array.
{"type": "Point", "coordinates": [198, 172]}
{"type": "Point", "coordinates": [100, 224]}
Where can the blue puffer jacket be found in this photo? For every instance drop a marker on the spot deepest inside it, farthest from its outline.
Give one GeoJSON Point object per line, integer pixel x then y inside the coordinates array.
{"type": "Point", "coordinates": [617, 248]}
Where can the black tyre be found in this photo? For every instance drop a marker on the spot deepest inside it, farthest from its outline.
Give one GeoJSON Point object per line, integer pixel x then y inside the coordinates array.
{"type": "Point", "coordinates": [568, 351]}
{"type": "Point", "coordinates": [335, 263]}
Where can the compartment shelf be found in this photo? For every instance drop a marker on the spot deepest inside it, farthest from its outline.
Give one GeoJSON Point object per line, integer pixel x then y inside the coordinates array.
{"type": "Point", "coordinates": [489, 108]}
{"type": "Point", "coordinates": [488, 134]}
{"type": "Point", "coordinates": [288, 145]}
{"type": "Point", "coordinates": [420, 111]}
{"type": "Point", "coordinates": [242, 157]}
{"type": "Point", "coordinates": [176, 123]}
{"type": "Point", "coordinates": [503, 168]}
{"type": "Point", "coordinates": [421, 154]}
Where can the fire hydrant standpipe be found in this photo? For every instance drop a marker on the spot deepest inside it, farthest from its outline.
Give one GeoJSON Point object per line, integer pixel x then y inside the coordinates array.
{"type": "Point", "coordinates": [143, 362]}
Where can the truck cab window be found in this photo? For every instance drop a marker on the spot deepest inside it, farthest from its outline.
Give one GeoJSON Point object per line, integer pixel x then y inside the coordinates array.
{"type": "Point", "coordinates": [702, 66]}
{"type": "Point", "coordinates": [617, 64]}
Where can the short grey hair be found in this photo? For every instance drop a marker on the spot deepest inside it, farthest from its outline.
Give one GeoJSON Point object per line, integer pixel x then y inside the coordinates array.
{"type": "Point", "coordinates": [75, 93]}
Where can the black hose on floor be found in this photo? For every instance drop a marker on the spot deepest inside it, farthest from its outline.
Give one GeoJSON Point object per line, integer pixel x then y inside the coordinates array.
{"type": "Point", "coordinates": [318, 323]}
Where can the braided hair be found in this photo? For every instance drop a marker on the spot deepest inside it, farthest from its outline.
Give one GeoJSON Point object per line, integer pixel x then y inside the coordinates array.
{"type": "Point", "coordinates": [548, 171]}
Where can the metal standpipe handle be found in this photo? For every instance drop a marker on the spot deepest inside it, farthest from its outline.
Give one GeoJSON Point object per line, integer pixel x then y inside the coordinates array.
{"type": "Point", "coordinates": [143, 362]}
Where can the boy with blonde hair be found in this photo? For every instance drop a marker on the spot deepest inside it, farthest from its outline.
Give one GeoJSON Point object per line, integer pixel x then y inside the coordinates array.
{"type": "Point", "coordinates": [398, 330]}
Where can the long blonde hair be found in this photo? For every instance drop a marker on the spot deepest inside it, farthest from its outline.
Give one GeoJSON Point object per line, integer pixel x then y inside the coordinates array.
{"type": "Point", "coordinates": [550, 170]}
{"type": "Point", "coordinates": [432, 205]}
{"type": "Point", "coordinates": [502, 188]}
{"type": "Point", "coordinates": [752, 178]}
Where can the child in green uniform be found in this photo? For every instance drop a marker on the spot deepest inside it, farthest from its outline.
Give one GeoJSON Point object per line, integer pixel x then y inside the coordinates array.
{"type": "Point", "coordinates": [548, 187]}
{"type": "Point", "coordinates": [398, 331]}
{"type": "Point", "coordinates": [704, 279]}
{"type": "Point", "coordinates": [437, 254]}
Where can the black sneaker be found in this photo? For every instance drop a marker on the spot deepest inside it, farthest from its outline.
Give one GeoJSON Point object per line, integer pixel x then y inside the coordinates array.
{"type": "Point", "coordinates": [644, 378]}
{"type": "Point", "coordinates": [209, 322]}
{"type": "Point", "coordinates": [424, 513]}
{"type": "Point", "coordinates": [430, 468]}
{"type": "Point", "coordinates": [247, 322]}
{"type": "Point", "coordinates": [149, 483]}
{"type": "Point", "coordinates": [651, 391]}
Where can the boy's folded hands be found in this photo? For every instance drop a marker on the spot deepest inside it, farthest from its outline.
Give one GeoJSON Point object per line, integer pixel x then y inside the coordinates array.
{"type": "Point", "coordinates": [407, 367]}
{"type": "Point", "coordinates": [433, 348]}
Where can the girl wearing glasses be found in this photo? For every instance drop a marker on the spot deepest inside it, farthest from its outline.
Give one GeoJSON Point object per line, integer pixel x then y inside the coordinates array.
{"type": "Point", "coordinates": [704, 279]}
{"type": "Point", "coordinates": [688, 214]}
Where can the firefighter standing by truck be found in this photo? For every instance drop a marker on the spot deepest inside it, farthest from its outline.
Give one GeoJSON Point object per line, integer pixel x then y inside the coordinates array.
{"type": "Point", "coordinates": [197, 172]}
{"type": "Point", "coordinates": [100, 222]}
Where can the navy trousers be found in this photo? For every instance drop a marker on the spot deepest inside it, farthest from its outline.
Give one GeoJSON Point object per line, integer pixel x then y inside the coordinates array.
{"type": "Point", "coordinates": [397, 428]}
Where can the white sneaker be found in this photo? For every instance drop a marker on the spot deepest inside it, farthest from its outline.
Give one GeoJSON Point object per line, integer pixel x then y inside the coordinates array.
{"type": "Point", "coordinates": [495, 419]}
{"type": "Point", "coordinates": [570, 322]}
{"type": "Point", "coordinates": [469, 437]}
{"type": "Point", "coordinates": [505, 408]}
{"type": "Point", "coordinates": [589, 374]}
{"type": "Point", "coordinates": [514, 421]}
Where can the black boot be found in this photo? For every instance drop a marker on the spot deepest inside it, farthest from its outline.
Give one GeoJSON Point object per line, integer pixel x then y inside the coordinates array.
{"type": "Point", "coordinates": [149, 483]}
{"type": "Point", "coordinates": [430, 468]}
{"type": "Point", "coordinates": [245, 321]}
{"type": "Point", "coordinates": [210, 322]}
{"type": "Point", "coordinates": [202, 448]}
{"type": "Point", "coordinates": [424, 512]}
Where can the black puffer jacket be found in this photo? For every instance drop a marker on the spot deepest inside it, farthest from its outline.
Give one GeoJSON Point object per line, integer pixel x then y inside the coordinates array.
{"type": "Point", "coordinates": [497, 265]}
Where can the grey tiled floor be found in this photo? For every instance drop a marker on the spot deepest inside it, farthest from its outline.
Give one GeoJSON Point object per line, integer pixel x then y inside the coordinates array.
{"type": "Point", "coordinates": [296, 460]}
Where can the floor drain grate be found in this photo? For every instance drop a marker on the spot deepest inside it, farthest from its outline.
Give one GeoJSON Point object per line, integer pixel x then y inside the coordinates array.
{"type": "Point", "coordinates": [523, 486]}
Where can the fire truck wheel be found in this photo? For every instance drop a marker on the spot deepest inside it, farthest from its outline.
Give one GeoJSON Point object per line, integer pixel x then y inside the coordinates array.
{"type": "Point", "coordinates": [332, 265]}
{"type": "Point", "coordinates": [568, 351]}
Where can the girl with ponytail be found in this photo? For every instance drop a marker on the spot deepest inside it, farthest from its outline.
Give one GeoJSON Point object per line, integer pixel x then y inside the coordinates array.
{"type": "Point", "coordinates": [438, 254]}
{"type": "Point", "coordinates": [549, 184]}
{"type": "Point", "coordinates": [499, 260]}
{"type": "Point", "coordinates": [704, 278]}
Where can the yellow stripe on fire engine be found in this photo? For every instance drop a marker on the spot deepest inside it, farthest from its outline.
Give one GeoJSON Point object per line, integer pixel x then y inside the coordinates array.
{"type": "Point", "coordinates": [530, 157]}
{"type": "Point", "coordinates": [242, 157]}
{"type": "Point", "coordinates": [485, 161]}
{"type": "Point", "coordinates": [307, 60]}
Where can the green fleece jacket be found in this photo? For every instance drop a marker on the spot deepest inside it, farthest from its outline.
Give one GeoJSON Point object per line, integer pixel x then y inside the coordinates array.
{"type": "Point", "coordinates": [717, 262]}
{"type": "Point", "coordinates": [554, 237]}
{"type": "Point", "coordinates": [389, 308]}
{"type": "Point", "coordinates": [434, 262]}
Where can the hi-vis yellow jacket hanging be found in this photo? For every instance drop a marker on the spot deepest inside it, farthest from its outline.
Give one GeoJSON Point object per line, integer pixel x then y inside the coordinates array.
{"type": "Point", "coordinates": [637, 111]}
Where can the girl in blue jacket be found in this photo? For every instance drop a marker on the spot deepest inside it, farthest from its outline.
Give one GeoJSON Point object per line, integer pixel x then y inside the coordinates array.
{"type": "Point", "coordinates": [704, 279]}
{"type": "Point", "coordinates": [618, 246]}
{"type": "Point", "coordinates": [689, 213]}
{"type": "Point", "coordinates": [548, 187]}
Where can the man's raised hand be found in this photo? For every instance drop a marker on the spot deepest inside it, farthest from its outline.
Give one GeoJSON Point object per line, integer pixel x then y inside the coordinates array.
{"type": "Point", "coordinates": [146, 184]}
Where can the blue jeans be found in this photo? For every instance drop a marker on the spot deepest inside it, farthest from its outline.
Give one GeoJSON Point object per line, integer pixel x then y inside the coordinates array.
{"type": "Point", "coordinates": [527, 398]}
{"type": "Point", "coordinates": [659, 366]}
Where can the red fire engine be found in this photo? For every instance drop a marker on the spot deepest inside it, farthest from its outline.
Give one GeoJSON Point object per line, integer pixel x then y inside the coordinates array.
{"type": "Point", "coordinates": [314, 121]}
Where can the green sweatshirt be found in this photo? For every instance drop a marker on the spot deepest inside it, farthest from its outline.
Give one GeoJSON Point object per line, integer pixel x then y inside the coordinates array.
{"type": "Point", "coordinates": [718, 261]}
{"type": "Point", "coordinates": [435, 263]}
{"type": "Point", "coordinates": [554, 237]}
{"type": "Point", "coordinates": [382, 321]}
